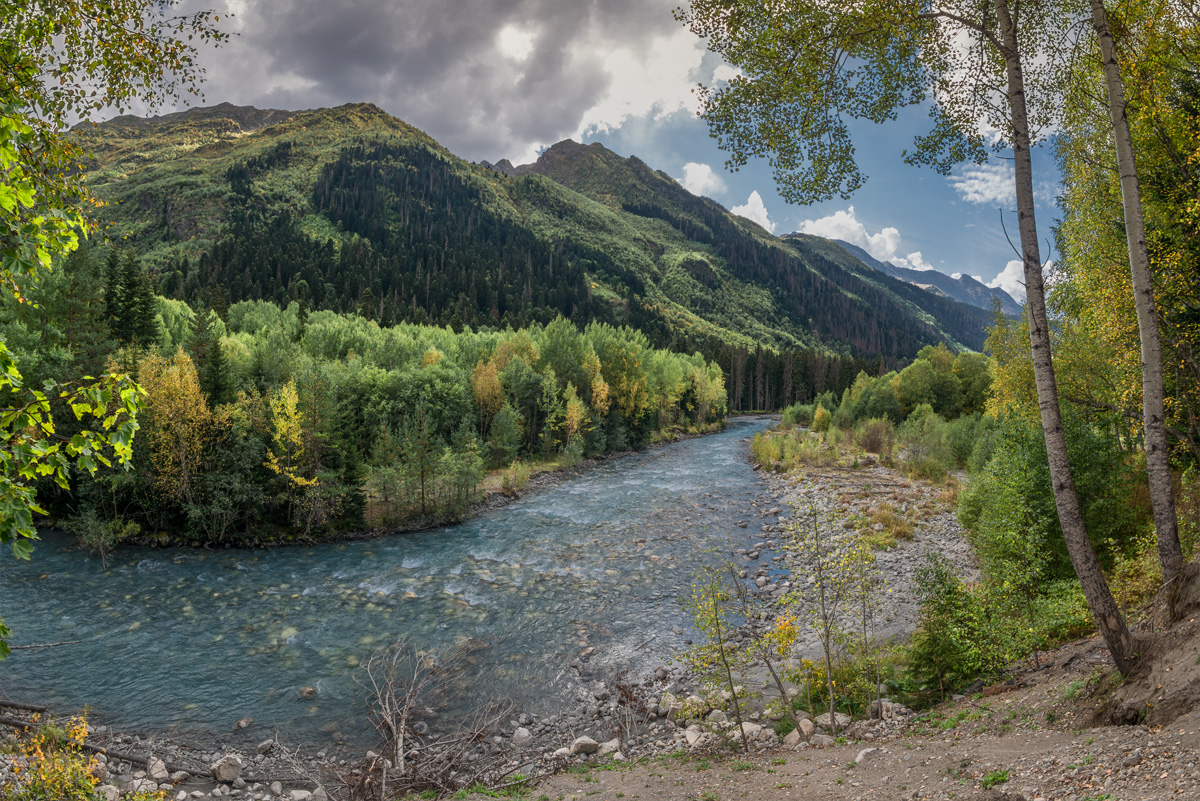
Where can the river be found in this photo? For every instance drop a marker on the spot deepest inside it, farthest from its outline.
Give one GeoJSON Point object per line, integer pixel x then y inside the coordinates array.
{"type": "Point", "coordinates": [192, 640]}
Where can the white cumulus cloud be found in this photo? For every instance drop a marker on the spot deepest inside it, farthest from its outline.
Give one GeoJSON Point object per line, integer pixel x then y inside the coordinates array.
{"type": "Point", "coordinates": [1012, 280]}
{"type": "Point", "coordinates": [913, 261]}
{"type": "Point", "coordinates": [754, 209]}
{"type": "Point", "coordinates": [700, 179]}
{"type": "Point", "coordinates": [885, 245]}
{"type": "Point", "coordinates": [844, 225]}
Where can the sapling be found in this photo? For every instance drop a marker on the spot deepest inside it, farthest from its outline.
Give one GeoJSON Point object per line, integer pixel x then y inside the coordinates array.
{"type": "Point", "coordinates": [767, 641]}
{"type": "Point", "coordinates": [712, 615]}
{"type": "Point", "coordinates": [833, 565]}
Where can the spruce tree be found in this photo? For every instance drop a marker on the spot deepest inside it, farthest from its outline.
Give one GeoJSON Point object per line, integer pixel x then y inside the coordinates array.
{"type": "Point", "coordinates": [112, 291]}
{"type": "Point", "coordinates": [208, 356]}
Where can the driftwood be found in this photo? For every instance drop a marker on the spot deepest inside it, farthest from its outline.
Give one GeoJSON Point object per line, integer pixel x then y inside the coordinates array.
{"type": "Point", "coordinates": [41, 645]}
{"type": "Point", "coordinates": [23, 707]}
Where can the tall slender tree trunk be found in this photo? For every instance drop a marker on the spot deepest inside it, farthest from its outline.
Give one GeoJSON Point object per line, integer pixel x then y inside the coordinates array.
{"type": "Point", "coordinates": [1083, 557]}
{"type": "Point", "coordinates": [1158, 467]}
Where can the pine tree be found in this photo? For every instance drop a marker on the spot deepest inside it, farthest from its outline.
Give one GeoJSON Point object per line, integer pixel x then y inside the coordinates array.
{"type": "Point", "coordinates": [209, 356]}
{"type": "Point", "coordinates": [112, 291]}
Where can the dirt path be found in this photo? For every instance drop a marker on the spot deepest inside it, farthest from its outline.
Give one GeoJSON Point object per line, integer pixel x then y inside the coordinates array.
{"type": "Point", "coordinates": [1028, 740]}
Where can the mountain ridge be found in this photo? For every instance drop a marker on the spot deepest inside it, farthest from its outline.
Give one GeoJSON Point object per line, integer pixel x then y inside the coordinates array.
{"type": "Point", "coordinates": [964, 289]}
{"type": "Point", "coordinates": [351, 208]}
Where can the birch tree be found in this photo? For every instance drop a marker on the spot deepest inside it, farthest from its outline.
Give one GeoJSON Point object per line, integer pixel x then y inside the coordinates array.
{"type": "Point", "coordinates": [1158, 467]}
{"type": "Point", "coordinates": [986, 68]}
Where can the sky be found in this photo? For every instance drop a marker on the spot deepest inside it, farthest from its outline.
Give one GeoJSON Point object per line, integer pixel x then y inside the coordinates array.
{"type": "Point", "coordinates": [493, 79]}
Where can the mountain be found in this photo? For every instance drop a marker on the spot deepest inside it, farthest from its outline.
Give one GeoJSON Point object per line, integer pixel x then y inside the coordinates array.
{"type": "Point", "coordinates": [351, 209]}
{"type": "Point", "coordinates": [964, 289]}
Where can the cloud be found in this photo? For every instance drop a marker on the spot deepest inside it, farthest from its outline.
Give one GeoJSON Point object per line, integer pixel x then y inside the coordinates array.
{"type": "Point", "coordinates": [495, 80]}
{"type": "Point", "coordinates": [885, 245]}
{"type": "Point", "coordinates": [699, 179]}
{"type": "Point", "coordinates": [514, 42]}
{"type": "Point", "coordinates": [755, 210]}
{"type": "Point", "coordinates": [913, 261]}
{"type": "Point", "coordinates": [725, 73]}
{"type": "Point", "coordinates": [993, 184]}
{"type": "Point", "coordinates": [655, 80]}
{"type": "Point", "coordinates": [1012, 280]}
{"type": "Point", "coordinates": [844, 225]}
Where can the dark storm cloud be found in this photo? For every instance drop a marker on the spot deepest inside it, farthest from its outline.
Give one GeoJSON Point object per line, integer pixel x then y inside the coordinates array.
{"type": "Point", "coordinates": [436, 63]}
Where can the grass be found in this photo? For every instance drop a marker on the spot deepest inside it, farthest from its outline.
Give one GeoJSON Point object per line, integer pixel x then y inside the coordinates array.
{"type": "Point", "coordinates": [1073, 689]}
{"type": "Point", "coordinates": [992, 779]}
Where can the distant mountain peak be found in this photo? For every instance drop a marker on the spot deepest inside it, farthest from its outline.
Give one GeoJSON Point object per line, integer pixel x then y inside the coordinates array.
{"type": "Point", "coordinates": [965, 288]}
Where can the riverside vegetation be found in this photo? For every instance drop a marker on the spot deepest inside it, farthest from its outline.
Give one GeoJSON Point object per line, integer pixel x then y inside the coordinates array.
{"type": "Point", "coordinates": [276, 424]}
{"type": "Point", "coordinates": [992, 465]}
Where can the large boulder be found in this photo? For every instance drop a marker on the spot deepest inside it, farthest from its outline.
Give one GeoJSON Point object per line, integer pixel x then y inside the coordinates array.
{"type": "Point", "coordinates": [584, 745]}
{"type": "Point", "coordinates": [227, 769]}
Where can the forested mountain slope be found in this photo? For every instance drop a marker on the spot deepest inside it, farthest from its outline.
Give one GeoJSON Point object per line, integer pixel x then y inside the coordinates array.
{"type": "Point", "coordinates": [352, 209]}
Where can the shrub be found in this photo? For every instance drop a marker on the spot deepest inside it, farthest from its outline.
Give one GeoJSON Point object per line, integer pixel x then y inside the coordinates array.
{"type": "Point", "coordinates": [962, 634]}
{"type": "Point", "coordinates": [923, 440]}
{"type": "Point", "coordinates": [821, 420]}
{"type": "Point", "coordinates": [515, 478]}
{"type": "Point", "coordinates": [798, 415]}
{"type": "Point", "coordinates": [843, 417]}
{"type": "Point", "coordinates": [875, 435]}
{"type": "Point", "coordinates": [52, 765]}
{"type": "Point", "coordinates": [960, 437]}
{"type": "Point", "coordinates": [1011, 498]}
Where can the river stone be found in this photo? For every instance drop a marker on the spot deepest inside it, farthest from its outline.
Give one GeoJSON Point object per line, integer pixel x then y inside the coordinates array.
{"type": "Point", "coordinates": [143, 786]}
{"type": "Point", "coordinates": [584, 745]}
{"type": "Point", "coordinates": [226, 769]}
{"type": "Point", "coordinates": [717, 717]}
{"type": "Point", "coordinates": [669, 706]}
{"type": "Point", "coordinates": [610, 747]}
{"type": "Point", "coordinates": [563, 752]}
{"type": "Point", "coordinates": [157, 770]}
{"type": "Point", "coordinates": [300, 795]}
{"type": "Point", "coordinates": [276, 788]}
{"type": "Point", "coordinates": [751, 731]}
{"type": "Point", "coordinates": [109, 792]}
{"type": "Point", "coordinates": [522, 737]}
{"type": "Point", "coordinates": [265, 746]}
{"type": "Point", "coordinates": [842, 720]}
{"type": "Point", "coordinates": [807, 728]}
{"type": "Point", "coordinates": [793, 739]}
{"type": "Point", "coordinates": [821, 740]}
{"type": "Point", "coordinates": [181, 795]}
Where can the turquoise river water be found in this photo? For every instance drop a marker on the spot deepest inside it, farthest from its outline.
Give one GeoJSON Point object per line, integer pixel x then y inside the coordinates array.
{"type": "Point", "coordinates": [192, 640]}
